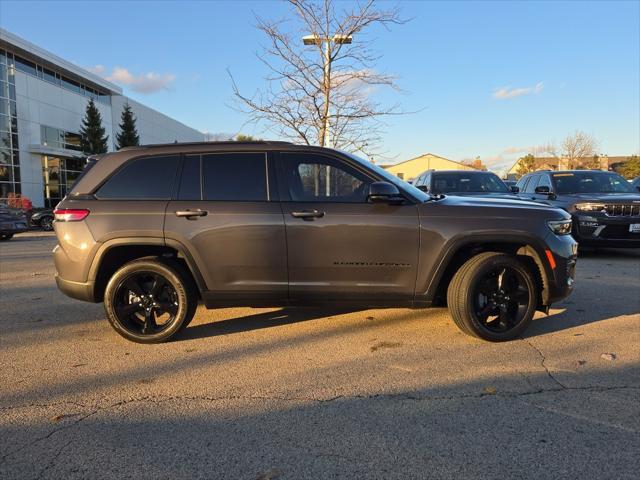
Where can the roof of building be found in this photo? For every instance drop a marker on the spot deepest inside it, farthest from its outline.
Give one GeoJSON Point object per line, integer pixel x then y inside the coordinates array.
{"type": "Point", "coordinates": [34, 52]}
{"type": "Point", "coordinates": [419, 157]}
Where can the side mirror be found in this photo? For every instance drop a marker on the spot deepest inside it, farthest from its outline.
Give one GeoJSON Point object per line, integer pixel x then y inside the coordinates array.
{"type": "Point", "coordinates": [543, 190]}
{"type": "Point", "coordinates": [514, 189]}
{"type": "Point", "coordinates": [384, 192]}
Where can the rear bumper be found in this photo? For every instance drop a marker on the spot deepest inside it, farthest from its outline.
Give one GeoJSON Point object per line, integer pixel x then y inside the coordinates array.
{"type": "Point", "coordinates": [78, 290]}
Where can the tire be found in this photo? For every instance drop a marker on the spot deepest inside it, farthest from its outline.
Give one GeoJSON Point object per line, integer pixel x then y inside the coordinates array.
{"type": "Point", "coordinates": [46, 223]}
{"type": "Point", "coordinates": [6, 236]}
{"type": "Point", "coordinates": [493, 296]}
{"type": "Point", "coordinates": [150, 300]}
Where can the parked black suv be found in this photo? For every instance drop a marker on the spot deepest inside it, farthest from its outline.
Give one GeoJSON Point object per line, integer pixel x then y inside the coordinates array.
{"type": "Point", "coordinates": [464, 183]}
{"type": "Point", "coordinates": [604, 206]}
{"type": "Point", "coordinates": [152, 230]}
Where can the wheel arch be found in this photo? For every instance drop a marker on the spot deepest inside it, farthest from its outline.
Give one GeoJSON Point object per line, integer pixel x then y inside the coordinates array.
{"type": "Point", "coordinates": [528, 248]}
{"type": "Point", "coordinates": [116, 252]}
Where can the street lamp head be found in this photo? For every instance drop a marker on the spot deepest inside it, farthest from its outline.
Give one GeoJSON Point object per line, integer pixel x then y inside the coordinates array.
{"type": "Point", "coordinates": [311, 40]}
{"type": "Point", "coordinates": [342, 38]}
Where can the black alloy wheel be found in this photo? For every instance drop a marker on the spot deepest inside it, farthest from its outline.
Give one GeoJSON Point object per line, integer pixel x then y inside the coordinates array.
{"type": "Point", "coordinates": [501, 299]}
{"type": "Point", "coordinates": [493, 296]}
{"type": "Point", "coordinates": [150, 300]}
{"type": "Point", "coordinates": [46, 223]}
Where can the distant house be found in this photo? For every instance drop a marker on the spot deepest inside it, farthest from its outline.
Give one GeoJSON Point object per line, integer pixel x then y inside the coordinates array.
{"type": "Point", "coordinates": [605, 162]}
{"type": "Point", "coordinates": [410, 169]}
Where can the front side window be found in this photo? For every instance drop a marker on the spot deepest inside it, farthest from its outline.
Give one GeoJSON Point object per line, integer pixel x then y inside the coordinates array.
{"type": "Point", "coordinates": [532, 184]}
{"type": "Point", "coordinates": [234, 177]}
{"type": "Point", "coordinates": [545, 181]}
{"type": "Point", "coordinates": [468, 183]}
{"type": "Point", "coordinates": [148, 178]}
{"type": "Point", "coordinates": [316, 178]}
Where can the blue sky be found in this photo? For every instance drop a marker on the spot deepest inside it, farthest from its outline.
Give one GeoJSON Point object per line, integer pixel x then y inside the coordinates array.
{"type": "Point", "coordinates": [556, 67]}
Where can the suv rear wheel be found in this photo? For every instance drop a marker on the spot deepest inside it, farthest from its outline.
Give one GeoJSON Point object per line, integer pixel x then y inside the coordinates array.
{"type": "Point", "coordinates": [493, 296]}
{"type": "Point", "coordinates": [149, 301]}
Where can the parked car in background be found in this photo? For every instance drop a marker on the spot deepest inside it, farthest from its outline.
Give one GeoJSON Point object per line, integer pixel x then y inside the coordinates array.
{"type": "Point", "coordinates": [12, 221]}
{"type": "Point", "coordinates": [604, 206]}
{"type": "Point", "coordinates": [510, 184]}
{"type": "Point", "coordinates": [43, 219]}
{"type": "Point", "coordinates": [464, 183]}
{"type": "Point", "coordinates": [274, 224]}
{"type": "Point", "coordinates": [635, 183]}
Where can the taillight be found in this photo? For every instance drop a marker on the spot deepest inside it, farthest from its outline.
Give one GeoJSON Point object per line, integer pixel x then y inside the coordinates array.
{"type": "Point", "coordinates": [70, 214]}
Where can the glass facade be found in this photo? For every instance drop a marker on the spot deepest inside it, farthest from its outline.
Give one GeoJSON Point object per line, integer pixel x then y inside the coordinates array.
{"type": "Point", "coordinates": [58, 175]}
{"type": "Point", "coordinates": [56, 138]}
{"type": "Point", "coordinates": [43, 73]}
{"type": "Point", "coordinates": [9, 156]}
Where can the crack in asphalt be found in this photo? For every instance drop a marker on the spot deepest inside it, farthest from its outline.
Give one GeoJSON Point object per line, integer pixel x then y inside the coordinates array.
{"type": "Point", "coordinates": [543, 359]}
{"type": "Point", "coordinates": [157, 400]}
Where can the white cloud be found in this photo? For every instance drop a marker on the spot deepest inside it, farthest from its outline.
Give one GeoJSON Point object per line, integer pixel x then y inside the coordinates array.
{"type": "Point", "coordinates": [144, 83]}
{"type": "Point", "coordinates": [506, 93]}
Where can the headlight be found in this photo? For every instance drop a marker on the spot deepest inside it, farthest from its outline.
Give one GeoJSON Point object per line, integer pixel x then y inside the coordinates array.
{"type": "Point", "coordinates": [590, 207]}
{"type": "Point", "coordinates": [560, 227]}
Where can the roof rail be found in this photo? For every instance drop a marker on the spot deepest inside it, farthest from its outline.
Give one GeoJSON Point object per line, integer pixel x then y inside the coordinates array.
{"type": "Point", "coordinates": [190, 144]}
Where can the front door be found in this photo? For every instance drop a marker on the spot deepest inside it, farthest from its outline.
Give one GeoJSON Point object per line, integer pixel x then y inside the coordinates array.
{"type": "Point", "coordinates": [225, 217]}
{"type": "Point", "coordinates": [339, 246]}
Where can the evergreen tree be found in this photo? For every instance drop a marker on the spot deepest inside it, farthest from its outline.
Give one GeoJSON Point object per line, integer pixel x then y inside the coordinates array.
{"type": "Point", "coordinates": [128, 136]}
{"type": "Point", "coordinates": [93, 135]}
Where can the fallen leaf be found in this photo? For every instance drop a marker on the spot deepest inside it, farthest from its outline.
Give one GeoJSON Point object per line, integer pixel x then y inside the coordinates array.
{"type": "Point", "coordinates": [370, 318]}
{"type": "Point", "coordinates": [269, 474]}
{"type": "Point", "coordinates": [490, 390]}
{"type": "Point", "coordinates": [608, 356]}
{"type": "Point", "coordinates": [581, 362]}
{"type": "Point", "coordinates": [57, 418]}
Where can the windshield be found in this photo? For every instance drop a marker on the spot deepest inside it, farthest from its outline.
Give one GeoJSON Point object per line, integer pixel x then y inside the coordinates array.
{"type": "Point", "coordinates": [389, 177]}
{"type": "Point", "coordinates": [467, 183]}
{"type": "Point", "coordinates": [590, 182]}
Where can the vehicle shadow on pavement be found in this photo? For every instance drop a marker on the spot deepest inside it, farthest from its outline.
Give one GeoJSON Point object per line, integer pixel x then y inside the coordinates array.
{"type": "Point", "coordinates": [276, 318]}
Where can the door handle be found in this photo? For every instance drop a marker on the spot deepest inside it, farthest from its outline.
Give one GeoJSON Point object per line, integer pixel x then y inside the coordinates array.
{"type": "Point", "coordinates": [191, 213]}
{"type": "Point", "coordinates": [308, 214]}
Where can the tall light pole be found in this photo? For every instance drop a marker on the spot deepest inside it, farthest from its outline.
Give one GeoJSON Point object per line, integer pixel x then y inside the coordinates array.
{"type": "Point", "coordinates": [326, 66]}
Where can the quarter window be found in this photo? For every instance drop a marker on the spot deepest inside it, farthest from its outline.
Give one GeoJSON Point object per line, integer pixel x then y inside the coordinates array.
{"type": "Point", "coordinates": [315, 178]}
{"type": "Point", "coordinates": [240, 177]}
{"type": "Point", "coordinates": [149, 178]}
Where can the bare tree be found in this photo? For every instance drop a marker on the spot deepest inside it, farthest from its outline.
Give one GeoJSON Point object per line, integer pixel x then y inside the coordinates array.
{"type": "Point", "coordinates": [321, 92]}
{"type": "Point", "coordinates": [576, 149]}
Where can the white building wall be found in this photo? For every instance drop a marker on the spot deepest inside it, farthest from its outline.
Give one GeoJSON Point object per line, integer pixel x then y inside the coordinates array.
{"type": "Point", "coordinates": [153, 126]}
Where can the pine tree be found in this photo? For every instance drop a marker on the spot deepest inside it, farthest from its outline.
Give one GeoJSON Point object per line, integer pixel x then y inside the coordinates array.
{"type": "Point", "coordinates": [128, 136]}
{"type": "Point", "coordinates": [93, 135]}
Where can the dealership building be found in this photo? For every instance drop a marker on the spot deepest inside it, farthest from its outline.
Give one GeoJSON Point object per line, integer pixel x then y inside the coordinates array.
{"type": "Point", "coordinates": [43, 99]}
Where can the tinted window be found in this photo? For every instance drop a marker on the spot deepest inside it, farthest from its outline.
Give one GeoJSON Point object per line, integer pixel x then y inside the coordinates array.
{"type": "Point", "coordinates": [531, 185]}
{"type": "Point", "coordinates": [234, 177]}
{"type": "Point", "coordinates": [315, 178]}
{"type": "Point", "coordinates": [149, 178]}
{"type": "Point", "coordinates": [590, 182]}
{"type": "Point", "coordinates": [545, 181]}
{"type": "Point", "coordinates": [467, 182]}
{"type": "Point", "coordinates": [190, 180]}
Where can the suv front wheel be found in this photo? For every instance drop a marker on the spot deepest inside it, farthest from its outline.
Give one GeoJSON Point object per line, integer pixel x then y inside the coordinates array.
{"type": "Point", "coordinates": [148, 301]}
{"type": "Point", "coordinates": [493, 296]}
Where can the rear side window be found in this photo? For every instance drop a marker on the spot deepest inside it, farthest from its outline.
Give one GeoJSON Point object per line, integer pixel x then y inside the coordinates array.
{"type": "Point", "coordinates": [148, 178]}
{"type": "Point", "coordinates": [238, 176]}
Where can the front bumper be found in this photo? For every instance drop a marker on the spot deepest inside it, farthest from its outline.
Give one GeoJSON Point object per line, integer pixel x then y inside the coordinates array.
{"type": "Point", "coordinates": [560, 280]}
{"type": "Point", "coordinates": [598, 230]}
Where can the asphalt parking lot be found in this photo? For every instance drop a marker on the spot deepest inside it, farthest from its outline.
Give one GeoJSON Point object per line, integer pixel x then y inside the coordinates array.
{"type": "Point", "coordinates": [296, 394]}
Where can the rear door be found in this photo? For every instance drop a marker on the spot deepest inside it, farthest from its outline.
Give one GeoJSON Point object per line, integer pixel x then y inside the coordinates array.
{"type": "Point", "coordinates": [339, 245]}
{"type": "Point", "coordinates": [224, 214]}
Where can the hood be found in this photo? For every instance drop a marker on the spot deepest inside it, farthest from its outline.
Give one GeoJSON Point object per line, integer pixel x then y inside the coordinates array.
{"type": "Point", "coordinates": [488, 201]}
{"type": "Point", "coordinates": [507, 196]}
{"type": "Point", "coordinates": [602, 197]}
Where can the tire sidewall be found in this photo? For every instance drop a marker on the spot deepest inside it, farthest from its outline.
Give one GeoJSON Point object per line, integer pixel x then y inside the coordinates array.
{"type": "Point", "coordinates": [477, 274]}
{"type": "Point", "coordinates": [171, 276]}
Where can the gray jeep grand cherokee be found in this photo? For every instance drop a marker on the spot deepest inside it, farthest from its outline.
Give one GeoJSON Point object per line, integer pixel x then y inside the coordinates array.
{"type": "Point", "coordinates": [153, 230]}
